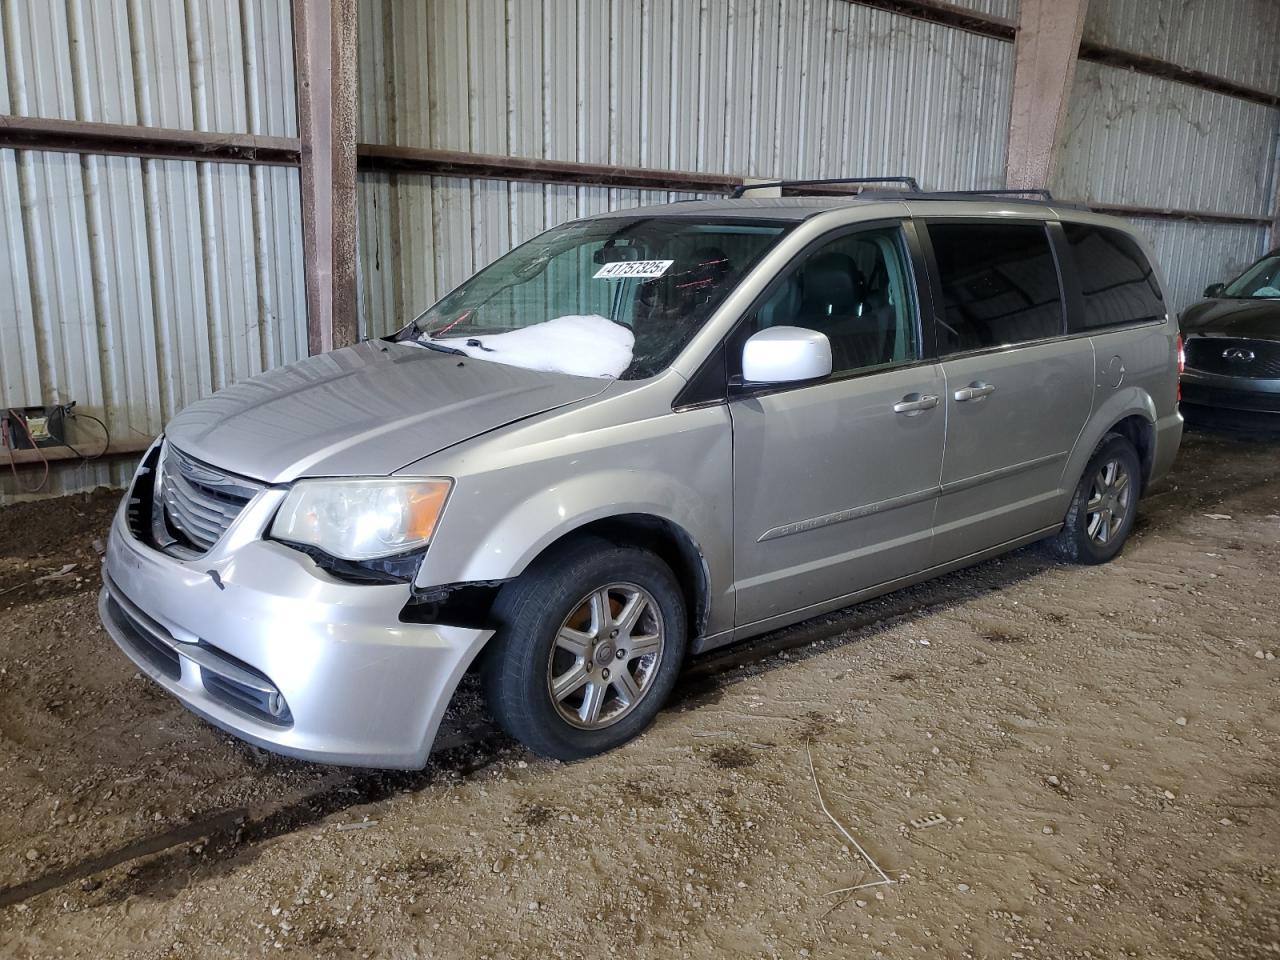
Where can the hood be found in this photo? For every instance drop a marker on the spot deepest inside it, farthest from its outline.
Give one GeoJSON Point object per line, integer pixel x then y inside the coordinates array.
{"type": "Point", "coordinates": [366, 410]}
{"type": "Point", "coordinates": [1250, 319]}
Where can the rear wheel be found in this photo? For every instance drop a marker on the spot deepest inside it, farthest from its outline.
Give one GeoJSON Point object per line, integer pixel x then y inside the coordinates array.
{"type": "Point", "coordinates": [1104, 506]}
{"type": "Point", "coordinates": [590, 641]}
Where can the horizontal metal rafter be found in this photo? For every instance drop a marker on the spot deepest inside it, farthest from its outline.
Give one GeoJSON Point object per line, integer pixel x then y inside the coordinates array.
{"type": "Point", "coordinates": [28, 457]}
{"type": "Point", "coordinates": [111, 139]}
{"type": "Point", "coordinates": [25, 133]}
{"type": "Point", "coordinates": [1173, 213]}
{"type": "Point", "coordinates": [448, 163]}
{"type": "Point", "coordinates": [1001, 28]}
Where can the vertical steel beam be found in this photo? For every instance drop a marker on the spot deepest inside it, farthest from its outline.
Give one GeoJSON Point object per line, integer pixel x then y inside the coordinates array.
{"type": "Point", "coordinates": [325, 50]}
{"type": "Point", "coordinates": [1045, 51]}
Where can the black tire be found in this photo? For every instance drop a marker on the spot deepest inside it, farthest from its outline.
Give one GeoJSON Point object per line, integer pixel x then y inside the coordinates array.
{"type": "Point", "coordinates": [1075, 543]}
{"type": "Point", "coordinates": [521, 658]}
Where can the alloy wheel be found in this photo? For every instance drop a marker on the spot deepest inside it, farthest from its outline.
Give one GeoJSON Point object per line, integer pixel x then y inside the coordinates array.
{"type": "Point", "coordinates": [605, 656]}
{"type": "Point", "coordinates": [1109, 501]}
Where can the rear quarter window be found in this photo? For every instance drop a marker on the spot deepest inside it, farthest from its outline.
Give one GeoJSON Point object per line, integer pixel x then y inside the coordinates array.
{"type": "Point", "coordinates": [999, 285]}
{"type": "Point", "coordinates": [1117, 284]}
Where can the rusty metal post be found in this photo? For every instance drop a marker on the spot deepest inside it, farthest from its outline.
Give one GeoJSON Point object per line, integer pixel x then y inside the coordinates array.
{"type": "Point", "coordinates": [1045, 51]}
{"type": "Point", "coordinates": [325, 51]}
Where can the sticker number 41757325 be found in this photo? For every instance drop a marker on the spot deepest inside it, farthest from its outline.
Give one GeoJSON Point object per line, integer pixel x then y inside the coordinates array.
{"type": "Point", "coordinates": [623, 269]}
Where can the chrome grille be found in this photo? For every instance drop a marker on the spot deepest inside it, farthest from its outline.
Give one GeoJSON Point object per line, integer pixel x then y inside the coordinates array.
{"type": "Point", "coordinates": [1232, 357]}
{"type": "Point", "coordinates": [197, 503]}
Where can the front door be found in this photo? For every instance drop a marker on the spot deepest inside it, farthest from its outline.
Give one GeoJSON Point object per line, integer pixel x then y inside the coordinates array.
{"type": "Point", "coordinates": [835, 483]}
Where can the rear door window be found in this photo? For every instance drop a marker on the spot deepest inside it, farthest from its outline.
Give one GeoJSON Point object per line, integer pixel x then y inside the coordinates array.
{"type": "Point", "coordinates": [1117, 284]}
{"type": "Point", "coordinates": [999, 284]}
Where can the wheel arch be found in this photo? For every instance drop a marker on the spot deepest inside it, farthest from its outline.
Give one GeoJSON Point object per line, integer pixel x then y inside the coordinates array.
{"type": "Point", "coordinates": [1130, 413]}
{"type": "Point", "coordinates": [667, 540]}
{"type": "Point", "coordinates": [1141, 432]}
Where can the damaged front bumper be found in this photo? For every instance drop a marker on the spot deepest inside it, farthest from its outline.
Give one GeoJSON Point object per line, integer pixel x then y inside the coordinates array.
{"type": "Point", "coordinates": [258, 640]}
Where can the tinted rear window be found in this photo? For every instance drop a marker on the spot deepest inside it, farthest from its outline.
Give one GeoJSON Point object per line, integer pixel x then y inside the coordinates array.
{"type": "Point", "coordinates": [999, 285]}
{"type": "Point", "coordinates": [1116, 280]}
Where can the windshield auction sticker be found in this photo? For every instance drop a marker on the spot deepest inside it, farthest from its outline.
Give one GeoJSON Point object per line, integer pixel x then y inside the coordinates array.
{"type": "Point", "coordinates": [625, 269]}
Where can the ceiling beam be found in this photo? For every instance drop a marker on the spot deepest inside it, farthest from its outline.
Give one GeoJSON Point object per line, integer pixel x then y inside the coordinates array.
{"type": "Point", "coordinates": [325, 50]}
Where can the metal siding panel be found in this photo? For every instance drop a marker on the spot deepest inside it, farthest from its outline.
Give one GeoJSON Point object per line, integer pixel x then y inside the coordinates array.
{"type": "Point", "coordinates": [685, 118]}
{"type": "Point", "coordinates": [625, 83]}
{"type": "Point", "coordinates": [999, 8]}
{"type": "Point", "coordinates": [525, 78]}
{"type": "Point", "coordinates": [559, 38]}
{"type": "Point", "coordinates": [765, 89]}
{"type": "Point", "coordinates": [487, 75]}
{"type": "Point", "coordinates": [592, 74]}
{"type": "Point", "coordinates": [1133, 138]}
{"type": "Point", "coordinates": [19, 360]}
{"type": "Point", "coordinates": [713, 58]}
{"type": "Point", "coordinates": [218, 65]}
{"type": "Point", "coordinates": [1234, 39]}
{"type": "Point", "coordinates": [139, 286]}
{"type": "Point", "coordinates": [375, 82]}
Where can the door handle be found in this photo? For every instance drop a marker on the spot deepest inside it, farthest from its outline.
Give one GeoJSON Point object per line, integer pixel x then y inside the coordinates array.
{"type": "Point", "coordinates": [975, 391]}
{"type": "Point", "coordinates": [914, 404]}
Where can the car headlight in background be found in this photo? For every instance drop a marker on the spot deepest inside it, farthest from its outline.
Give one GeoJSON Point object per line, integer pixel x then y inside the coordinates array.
{"type": "Point", "coordinates": [362, 519]}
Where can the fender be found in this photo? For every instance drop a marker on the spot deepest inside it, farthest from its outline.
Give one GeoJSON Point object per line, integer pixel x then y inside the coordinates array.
{"type": "Point", "coordinates": [676, 467]}
{"type": "Point", "coordinates": [1125, 402]}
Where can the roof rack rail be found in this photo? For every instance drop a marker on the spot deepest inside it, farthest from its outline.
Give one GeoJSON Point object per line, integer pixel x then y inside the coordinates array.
{"type": "Point", "coordinates": [909, 182]}
{"type": "Point", "coordinates": [1042, 194]}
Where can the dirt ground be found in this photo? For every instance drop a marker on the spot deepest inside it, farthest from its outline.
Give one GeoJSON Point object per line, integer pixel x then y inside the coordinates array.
{"type": "Point", "coordinates": [1103, 743]}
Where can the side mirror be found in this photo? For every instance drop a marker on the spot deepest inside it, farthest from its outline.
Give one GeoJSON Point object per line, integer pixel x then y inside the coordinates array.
{"type": "Point", "coordinates": [1214, 290]}
{"type": "Point", "coordinates": [786, 355]}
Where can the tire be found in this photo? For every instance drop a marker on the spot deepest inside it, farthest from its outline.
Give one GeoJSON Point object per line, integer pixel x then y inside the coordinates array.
{"type": "Point", "coordinates": [1084, 538]}
{"type": "Point", "coordinates": [551, 629]}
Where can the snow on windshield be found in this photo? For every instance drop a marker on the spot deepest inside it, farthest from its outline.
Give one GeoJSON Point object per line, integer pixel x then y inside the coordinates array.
{"type": "Point", "coordinates": [580, 345]}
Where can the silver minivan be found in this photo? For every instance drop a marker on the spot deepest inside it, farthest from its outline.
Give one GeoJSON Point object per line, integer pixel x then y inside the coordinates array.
{"type": "Point", "coordinates": [640, 436]}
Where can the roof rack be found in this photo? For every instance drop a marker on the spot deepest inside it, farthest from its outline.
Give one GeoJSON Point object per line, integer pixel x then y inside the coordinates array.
{"type": "Point", "coordinates": [1041, 194]}
{"type": "Point", "coordinates": [909, 182]}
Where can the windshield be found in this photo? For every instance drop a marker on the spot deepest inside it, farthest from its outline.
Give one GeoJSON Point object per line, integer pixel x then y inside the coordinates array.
{"type": "Point", "coordinates": [613, 297]}
{"type": "Point", "coordinates": [1261, 281]}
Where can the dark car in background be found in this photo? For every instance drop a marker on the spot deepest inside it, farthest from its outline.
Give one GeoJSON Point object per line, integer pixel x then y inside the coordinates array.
{"type": "Point", "coordinates": [1232, 342]}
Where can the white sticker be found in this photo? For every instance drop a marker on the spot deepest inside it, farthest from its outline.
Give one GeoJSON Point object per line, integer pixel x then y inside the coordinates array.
{"type": "Point", "coordinates": [622, 269]}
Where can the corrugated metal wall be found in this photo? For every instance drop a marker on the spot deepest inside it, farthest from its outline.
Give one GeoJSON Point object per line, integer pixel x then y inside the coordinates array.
{"type": "Point", "coordinates": [1132, 138]}
{"type": "Point", "coordinates": [1136, 139]}
{"type": "Point", "coordinates": [1234, 39]}
{"type": "Point", "coordinates": [136, 286]}
{"type": "Point", "coordinates": [757, 87]}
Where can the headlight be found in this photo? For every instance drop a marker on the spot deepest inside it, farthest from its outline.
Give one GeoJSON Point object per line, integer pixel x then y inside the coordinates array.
{"type": "Point", "coordinates": [362, 519]}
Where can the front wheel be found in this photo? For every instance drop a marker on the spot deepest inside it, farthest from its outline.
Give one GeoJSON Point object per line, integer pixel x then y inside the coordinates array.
{"type": "Point", "coordinates": [1104, 506]}
{"type": "Point", "coordinates": [590, 641]}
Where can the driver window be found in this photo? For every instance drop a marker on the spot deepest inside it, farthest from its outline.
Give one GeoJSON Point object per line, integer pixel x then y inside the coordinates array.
{"type": "Point", "coordinates": [855, 290]}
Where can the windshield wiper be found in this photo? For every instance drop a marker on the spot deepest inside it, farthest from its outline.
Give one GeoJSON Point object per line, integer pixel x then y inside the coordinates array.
{"type": "Point", "coordinates": [439, 347]}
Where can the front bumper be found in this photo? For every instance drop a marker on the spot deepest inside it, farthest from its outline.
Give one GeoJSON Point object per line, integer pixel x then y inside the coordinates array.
{"type": "Point", "coordinates": [1230, 393]}
{"type": "Point", "coordinates": [259, 641]}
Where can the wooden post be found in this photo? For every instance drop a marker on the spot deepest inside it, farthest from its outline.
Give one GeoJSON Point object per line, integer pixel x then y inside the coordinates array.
{"type": "Point", "coordinates": [1045, 51]}
{"type": "Point", "coordinates": [324, 34]}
